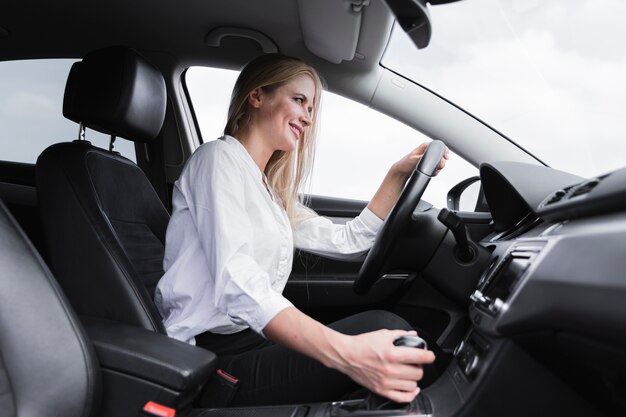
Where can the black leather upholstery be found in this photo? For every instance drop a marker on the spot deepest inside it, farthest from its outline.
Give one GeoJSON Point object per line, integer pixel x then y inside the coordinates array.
{"type": "Point", "coordinates": [116, 91]}
{"type": "Point", "coordinates": [104, 225]}
{"type": "Point", "coordinates": [150, 356]}
{"type": "Point", "coordinates": [47, 365]}
{"type": "Point", "coordinates": [87, 195]}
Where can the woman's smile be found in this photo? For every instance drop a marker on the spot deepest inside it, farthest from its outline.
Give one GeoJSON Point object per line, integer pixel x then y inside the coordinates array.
{"type": "Point", "coordinates": [297, 130]}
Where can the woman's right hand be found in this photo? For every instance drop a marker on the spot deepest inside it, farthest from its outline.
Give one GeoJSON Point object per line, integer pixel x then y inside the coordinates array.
{"type": "Point", "coordinates": [372, 360]}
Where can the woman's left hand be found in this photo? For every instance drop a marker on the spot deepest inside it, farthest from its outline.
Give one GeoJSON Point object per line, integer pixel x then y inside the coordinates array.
{"type": "Point", "coordinates": [394, 181]}
{"type": "Point", "coordinates": [406, 165]}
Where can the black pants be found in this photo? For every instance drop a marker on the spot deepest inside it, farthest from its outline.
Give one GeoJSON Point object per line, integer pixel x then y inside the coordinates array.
{"type": "Point", "coordinates": [271, 374]}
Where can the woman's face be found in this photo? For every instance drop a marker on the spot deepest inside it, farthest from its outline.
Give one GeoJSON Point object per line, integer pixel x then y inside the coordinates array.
{"type": "Point", "coordinates": [285, 113]}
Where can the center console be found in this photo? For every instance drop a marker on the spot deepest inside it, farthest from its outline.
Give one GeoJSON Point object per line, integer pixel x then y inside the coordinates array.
{"type": "Point", "coordinates": [500, 280]}
{"type": "Point", "coordinates": [491, 375]}
{"type": "Point", "coordinates": [495, 289]}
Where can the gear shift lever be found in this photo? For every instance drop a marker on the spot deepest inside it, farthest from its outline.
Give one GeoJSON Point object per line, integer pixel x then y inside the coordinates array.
{"type": "Point", "coordinates": [374, 404]}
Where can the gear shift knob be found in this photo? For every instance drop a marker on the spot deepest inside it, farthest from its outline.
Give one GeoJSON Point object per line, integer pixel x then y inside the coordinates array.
{"type": "Point", "coordinates": [411, 341]}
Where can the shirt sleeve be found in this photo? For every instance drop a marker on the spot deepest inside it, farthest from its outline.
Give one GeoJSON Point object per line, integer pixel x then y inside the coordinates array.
{"type": "Point", "coordinates": [242, 289]}
{"type": "Point", "coordinates": [349, 241]}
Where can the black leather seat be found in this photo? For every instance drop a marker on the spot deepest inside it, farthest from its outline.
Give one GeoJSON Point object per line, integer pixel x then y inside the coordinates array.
{"type": "Point", "coordinates": [104, 225]}
{"type": "Point", "coordinates": [47, 365]}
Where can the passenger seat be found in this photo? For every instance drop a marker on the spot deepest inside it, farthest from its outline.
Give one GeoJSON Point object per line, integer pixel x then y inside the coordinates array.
{"type": "Point", "coordinates": [47, 363]}
{"type": "Point", "coordinates": [104, 225]}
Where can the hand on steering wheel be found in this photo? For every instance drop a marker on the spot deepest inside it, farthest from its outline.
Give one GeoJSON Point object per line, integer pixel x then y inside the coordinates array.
{"type": "Point", "coordinates": [400, 215]}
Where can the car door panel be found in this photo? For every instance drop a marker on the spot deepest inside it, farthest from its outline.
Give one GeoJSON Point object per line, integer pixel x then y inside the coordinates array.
{"type": "Point", "coordinates": [318, 283]}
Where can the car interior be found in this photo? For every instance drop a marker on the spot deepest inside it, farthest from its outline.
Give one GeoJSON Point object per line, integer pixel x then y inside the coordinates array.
{"type": "Point", "coordinates": [520, 297]}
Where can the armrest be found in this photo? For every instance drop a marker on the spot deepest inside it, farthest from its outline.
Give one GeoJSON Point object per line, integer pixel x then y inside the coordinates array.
{"type": "Point", "coordinates": [148, 355]}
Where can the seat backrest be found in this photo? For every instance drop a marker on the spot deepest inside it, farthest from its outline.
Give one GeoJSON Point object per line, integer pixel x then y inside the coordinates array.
{"type": "Point", "coordinates": [104, 225]}
{"type": "Point", "coordinates": [47, 365]}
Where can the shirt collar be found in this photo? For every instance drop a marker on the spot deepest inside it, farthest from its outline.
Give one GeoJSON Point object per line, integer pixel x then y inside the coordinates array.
{"type": "Point", "coordinates": [254, 168]}
{"type": "Point", "coordinates": [245, 155]}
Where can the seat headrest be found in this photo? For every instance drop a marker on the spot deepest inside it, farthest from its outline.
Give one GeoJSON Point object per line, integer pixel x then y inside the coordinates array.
{"type": "Point", "coordinates": [117, 92]}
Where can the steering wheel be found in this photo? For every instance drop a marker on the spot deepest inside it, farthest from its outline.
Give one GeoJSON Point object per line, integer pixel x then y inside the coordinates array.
{"type": "Point", "coordinates": [399, 217]}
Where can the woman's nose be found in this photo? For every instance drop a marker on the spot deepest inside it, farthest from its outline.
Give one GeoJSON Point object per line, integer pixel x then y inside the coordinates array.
{"type": "Point", "coordinates": [306, 120]}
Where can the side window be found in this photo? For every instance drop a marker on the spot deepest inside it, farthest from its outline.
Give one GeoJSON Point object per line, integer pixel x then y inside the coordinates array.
{"type": "Point", "coordinates": [31, 111]}
{"type": "Point", "coordinates": [210, 89]}
{"type": "Point", "coordinates": [356, 145]}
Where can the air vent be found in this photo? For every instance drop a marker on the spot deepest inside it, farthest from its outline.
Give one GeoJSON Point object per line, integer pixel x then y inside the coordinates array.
{"type": "Point", "coordinates": [557, 196]}
{"type": "Point", "coordinates": [574, 191]}
{"type": "Point", "coordinates": [585, 187]}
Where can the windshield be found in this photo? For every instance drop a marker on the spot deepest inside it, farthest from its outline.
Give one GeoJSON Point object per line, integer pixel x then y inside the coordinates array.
{"type": "Point", "coordinates": [549, 75]}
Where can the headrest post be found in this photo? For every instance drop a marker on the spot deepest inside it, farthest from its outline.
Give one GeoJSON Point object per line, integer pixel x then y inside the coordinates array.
{"type": "Point", "coordinates": [112, 143]}
{"type": "Point", "coordinates": [81, 131]}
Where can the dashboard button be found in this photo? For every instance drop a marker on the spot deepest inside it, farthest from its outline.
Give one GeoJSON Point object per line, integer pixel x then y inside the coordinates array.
{"type": "Point", "coordinates": [472, 366]}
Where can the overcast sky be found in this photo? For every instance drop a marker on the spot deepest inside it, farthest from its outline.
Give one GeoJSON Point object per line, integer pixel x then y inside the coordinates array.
{"type": "Point", "coordinates": [551, 75]}
{"type": "Point", "coordinates": [31, 110]}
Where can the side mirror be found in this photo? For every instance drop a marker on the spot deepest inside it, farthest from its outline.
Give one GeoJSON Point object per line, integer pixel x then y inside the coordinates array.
{"type": "Point", "coordinates": [466, 197]}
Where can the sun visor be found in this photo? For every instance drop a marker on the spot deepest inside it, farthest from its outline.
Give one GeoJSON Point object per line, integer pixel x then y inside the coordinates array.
{"type": "Point", "coordinates": [331, 27]}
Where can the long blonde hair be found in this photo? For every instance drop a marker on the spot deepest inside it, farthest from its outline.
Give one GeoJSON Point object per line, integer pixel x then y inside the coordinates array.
{"type": "Point", "coordinates": [286, 171]}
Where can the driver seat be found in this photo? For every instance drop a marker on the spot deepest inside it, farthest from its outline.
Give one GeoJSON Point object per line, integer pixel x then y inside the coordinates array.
{"type": "Point", "coordinates": [104, 224]}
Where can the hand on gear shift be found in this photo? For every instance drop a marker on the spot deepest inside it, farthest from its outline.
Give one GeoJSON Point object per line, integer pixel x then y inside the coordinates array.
{"type": "Point", "coordinates": [373, 403]}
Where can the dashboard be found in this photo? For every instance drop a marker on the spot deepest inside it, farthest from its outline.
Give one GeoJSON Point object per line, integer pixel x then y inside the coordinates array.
{"type": "Point", "coordinates": [555, 283]}
{"type": "Point", "coordinates": [558, 257]}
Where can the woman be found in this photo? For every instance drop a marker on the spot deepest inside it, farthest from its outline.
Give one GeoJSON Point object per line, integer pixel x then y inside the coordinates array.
{"type": "Point", "coordinates": [229, 252]}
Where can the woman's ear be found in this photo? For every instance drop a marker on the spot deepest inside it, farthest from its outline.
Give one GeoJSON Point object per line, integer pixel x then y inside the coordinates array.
{"type": "Point", "coordinates": [255, 97]}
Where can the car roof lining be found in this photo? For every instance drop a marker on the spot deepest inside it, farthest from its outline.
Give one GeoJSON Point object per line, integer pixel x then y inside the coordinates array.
{"type": "Point", "coordinates": [157, 28]}
{"type": "Point", "coordinates": [174, 38]}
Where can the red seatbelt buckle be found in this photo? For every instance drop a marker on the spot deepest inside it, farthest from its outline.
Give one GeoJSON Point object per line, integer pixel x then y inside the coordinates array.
{"type": "Point", "coordinates": [220, 390]}
{"type": "Point", "coordinates": [227, 377]}
{"type": "Point", "coordinates": [152, 409]}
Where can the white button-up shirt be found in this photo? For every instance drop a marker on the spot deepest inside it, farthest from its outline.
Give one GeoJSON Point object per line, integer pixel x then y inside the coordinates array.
{"type": "Point", "coordinates": [229, 245]}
